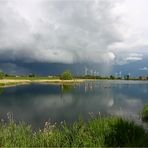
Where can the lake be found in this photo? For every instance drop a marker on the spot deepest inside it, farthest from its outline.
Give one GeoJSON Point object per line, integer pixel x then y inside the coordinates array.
{"type": "Point", "coordinates": [37, 103]}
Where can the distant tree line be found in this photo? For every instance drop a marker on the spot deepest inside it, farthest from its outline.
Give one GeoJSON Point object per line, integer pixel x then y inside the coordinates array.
{"type": "Point", "coordinates": [112, 77]}
{"type": "Point", "coordinates": [67, 75]}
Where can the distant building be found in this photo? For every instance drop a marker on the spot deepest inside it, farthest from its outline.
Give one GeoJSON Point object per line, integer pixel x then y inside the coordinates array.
{"type": "Point", "coordinates": [50, 76]}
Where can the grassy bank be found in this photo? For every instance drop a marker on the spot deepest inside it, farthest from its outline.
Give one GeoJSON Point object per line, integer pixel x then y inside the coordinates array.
{"type": "Point", "coordinates": [19, 81]}
{"type": "Point", "coordinates": [105, 132]}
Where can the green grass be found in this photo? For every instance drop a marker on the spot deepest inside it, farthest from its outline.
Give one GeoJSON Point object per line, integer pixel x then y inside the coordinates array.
{"type": "Point", "coordinates": [31, 78]}
{"type": "Point", "coordinates": [2, 84]}
{"type": "Point", "coordinates": [10, 84]}
{"type": "Point", "coordinates": [144, 113]}
{"type": "Point", "coordinates": [100, 132]}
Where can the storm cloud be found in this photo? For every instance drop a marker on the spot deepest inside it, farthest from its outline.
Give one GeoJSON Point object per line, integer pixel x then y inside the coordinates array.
{"type": "Point", "coordinates": [58, 31]}
{"type": "Point", "coordinates": [104, 32]}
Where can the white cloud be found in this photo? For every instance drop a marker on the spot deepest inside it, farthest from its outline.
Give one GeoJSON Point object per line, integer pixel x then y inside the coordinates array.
{"type": "Point", "coordinates": [71, 31]}
{"type": "Point", "coordinates": [134, 57]}
{"type": "Point", "coordinates": [134, 31]}
{"type": "Point", "coordinates": [126, 57]}
{"type": "Point", "coordinates": [144, 69]}
{"type": "Point", "coordinates": [130, 45]}
{"type": "Point", "coordinates": [58, 31]}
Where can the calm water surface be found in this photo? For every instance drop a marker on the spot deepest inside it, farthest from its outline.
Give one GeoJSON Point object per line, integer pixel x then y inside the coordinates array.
{"type": "Point", "coordinates": [38, 103]}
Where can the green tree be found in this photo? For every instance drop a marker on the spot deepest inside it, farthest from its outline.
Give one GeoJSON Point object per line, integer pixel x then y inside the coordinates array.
{"type": "Point", "coordinates": [31, 75]}
{"type": "Point", "coordinates": [112, 77]}
{"type": "Point", "coordinates": [66, 75]}
{"type": "Point", "coordinates": [2, 75]}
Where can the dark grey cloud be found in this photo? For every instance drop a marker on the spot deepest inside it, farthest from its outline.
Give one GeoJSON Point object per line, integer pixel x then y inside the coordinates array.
{"type": "Point", "coordinates": [15, 68]}
{"type": "Point", "coordinates": [68, 32]}
{"type": "Point", "coordinates": [58, 31]}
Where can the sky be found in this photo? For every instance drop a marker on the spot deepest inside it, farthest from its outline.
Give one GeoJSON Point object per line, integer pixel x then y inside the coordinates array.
{"type": "Point", "coordinates": [48, 36]}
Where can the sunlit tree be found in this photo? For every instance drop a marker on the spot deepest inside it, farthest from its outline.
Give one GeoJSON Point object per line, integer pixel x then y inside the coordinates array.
{"type": "Point", "coordinates": [66, 75]}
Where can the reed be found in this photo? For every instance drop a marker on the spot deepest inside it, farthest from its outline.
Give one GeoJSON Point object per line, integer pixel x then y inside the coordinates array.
{"type": "Point", "coordinates": [100, 132]}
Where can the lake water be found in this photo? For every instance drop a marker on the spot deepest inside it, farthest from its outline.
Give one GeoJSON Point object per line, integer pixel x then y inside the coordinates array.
{"type": "Point", "coordinates": [37, 103]}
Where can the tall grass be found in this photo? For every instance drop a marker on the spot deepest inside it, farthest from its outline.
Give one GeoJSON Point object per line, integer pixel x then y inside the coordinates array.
{"type": "Point", "coordinates": [104, 132]}
{"type": "Point", "coordinates": [144, 113]}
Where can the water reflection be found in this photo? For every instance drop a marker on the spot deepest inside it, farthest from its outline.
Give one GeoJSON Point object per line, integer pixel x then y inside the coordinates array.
{"type": "Point", "coordinates": [66, 88]}
{"type": "Point", "coordinates": [39, 103]}
{"type": "Point", "coordinates": [89, 87]}
{"type": "Point", "coordinates": [1, 90]}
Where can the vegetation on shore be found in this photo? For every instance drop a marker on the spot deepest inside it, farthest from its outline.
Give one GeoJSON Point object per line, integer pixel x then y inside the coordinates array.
{"type": "Point", "coordinates": [144, 113]}
{"type": "Point", "coordinates": [66, 75]}
{"type": "Point", "coordinates": [112, 77]}
{"type": "Point", "coordinates": [2, 74]}
{"type": "Point", "coordinates": [100, 132]}
{"type": "Point", "coordinates": [64, 78]}
{"type": "Point", "coordinates": [12, 82]}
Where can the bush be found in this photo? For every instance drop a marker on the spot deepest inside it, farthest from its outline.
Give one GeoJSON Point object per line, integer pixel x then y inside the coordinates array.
{"type": "Point", "coordinates": [144, 113]}
{"type": "Point", "coordinates": [112, 77]}
{"type": "Point", "coordinates": [105, 132]}
{"type": "Point", "coordinates": [66, 75]}
{"type": "Point", "coordinates": [32, 75]}
{"type": "Point", "coordinates": [2, 75]}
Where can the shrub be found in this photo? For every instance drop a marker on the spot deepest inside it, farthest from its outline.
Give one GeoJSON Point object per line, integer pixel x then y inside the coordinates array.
{"type": "Point", "coordinates": [112, 77]}
{"type": "Point", "coordinates": [31, 75]}
{"type": "Point", "coordinates": [2, 75]}
{"type": "Point", "coordinates": [66, 75]}
{"type": "Point", "coordinates": [144, 113]}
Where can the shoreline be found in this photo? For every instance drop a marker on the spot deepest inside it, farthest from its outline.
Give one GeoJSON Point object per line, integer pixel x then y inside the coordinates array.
{"type": "Point", "coordinates": [4, 83]}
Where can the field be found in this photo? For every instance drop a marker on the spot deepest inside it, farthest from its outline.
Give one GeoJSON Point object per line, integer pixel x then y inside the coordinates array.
{"type": "Point", "coordinates": [13, 81]}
